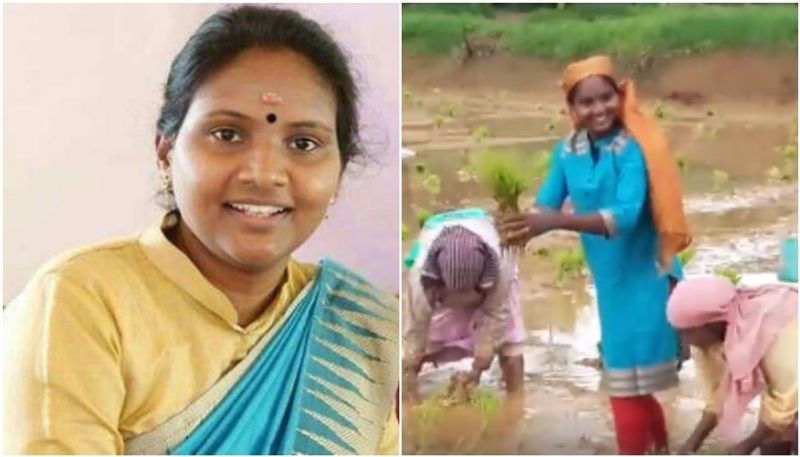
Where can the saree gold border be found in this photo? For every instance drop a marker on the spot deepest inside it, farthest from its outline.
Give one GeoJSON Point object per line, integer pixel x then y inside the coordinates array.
{"type": "Point", "coordinates": [172, 432]}
{"type": "Point", "coordinates": [322, 441]}
{"type": "Point", "coordinates": [344, 433]}
{"type": "Point", "coordinates": [369, 395]}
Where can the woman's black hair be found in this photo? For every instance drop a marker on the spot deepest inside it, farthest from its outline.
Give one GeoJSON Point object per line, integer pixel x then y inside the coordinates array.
{"type": "Point", "coordinates": [608, 79]}
{"type": "Point", "coordinates": [226, 34]}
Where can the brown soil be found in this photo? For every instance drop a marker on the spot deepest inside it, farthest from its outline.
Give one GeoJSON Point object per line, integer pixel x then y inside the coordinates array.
{"type": "Point", "coordinates": [721, 76]}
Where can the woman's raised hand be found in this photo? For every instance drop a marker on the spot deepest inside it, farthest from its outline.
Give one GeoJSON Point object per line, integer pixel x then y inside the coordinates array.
{"type": "Point", "coordinates": [518, 229]}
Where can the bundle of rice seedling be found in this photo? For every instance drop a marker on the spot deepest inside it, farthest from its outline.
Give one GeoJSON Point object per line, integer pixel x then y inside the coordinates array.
{"type": "Point", "coordinates": [508, 175]}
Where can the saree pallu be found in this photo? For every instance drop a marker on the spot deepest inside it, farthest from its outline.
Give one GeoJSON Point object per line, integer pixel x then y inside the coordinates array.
{"type": "Point", "coordinates": [321, 382]}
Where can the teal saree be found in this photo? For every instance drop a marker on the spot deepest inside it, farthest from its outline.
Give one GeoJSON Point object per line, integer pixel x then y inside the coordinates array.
{"type": "Point", "coordinates": [322, 382]}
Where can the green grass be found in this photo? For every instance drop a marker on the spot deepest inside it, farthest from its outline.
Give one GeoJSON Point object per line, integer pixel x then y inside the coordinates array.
{"type": "Point", "coordinates": [624, 31]}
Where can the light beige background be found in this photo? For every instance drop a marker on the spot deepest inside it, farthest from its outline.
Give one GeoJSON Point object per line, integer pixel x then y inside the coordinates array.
{"type": "Point", "coordinates": [81, 92]}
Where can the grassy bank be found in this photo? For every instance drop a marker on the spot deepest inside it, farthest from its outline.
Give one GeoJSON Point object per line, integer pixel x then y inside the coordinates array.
{"type": "Point", "coordinates": [625, 31]}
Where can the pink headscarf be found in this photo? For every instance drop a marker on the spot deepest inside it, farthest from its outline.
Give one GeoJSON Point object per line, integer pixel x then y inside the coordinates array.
{"type": "Point", "coordinates": [461, 259]}
{"type": "Point", "coordinates": [754, 317]}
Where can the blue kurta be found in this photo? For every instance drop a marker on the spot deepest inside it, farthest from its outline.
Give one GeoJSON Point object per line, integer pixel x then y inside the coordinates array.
{"type": "Point", "coordinates": [639, 347]}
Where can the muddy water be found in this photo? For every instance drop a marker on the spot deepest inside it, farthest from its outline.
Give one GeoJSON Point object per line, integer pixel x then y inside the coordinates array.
{"type": "Point", "coordinates": [739, 224]}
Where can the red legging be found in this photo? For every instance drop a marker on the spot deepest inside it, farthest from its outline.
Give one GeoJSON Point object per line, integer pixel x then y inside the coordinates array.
{"type": "Point", "coordinates": [639, 423]}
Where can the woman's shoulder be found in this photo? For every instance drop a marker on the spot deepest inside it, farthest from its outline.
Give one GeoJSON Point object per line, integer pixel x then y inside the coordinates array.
{"type": "Point", "coordinates": [88, 267]}
{"type": "Point", "coordinates": [626, 143]}
{"type": "Point", "coordinates": [94, 257]}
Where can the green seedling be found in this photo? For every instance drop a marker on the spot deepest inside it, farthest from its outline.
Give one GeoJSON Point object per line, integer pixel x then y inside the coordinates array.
{"type": "Point", "coordinates": [432, 183]}
{"type": "Point", "coordinates": [682, 166]}
{"type": "Point", "coordinates": [687, 255]}
{"type": "Point", "coordinates": [661, 111]}
{"type": "Point", "coordinates": [570, 263]}
{"type": "Point", "coordinates": [721, 180]}
{"type": "Point", "coordinates": [480, 133]}
{"type": "Point", "coordinates": [423, 214]}
{"type": "Point", "coordinates": [730, 273]}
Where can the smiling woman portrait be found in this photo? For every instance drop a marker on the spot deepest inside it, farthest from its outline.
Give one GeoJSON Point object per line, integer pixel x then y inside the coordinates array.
{"type": "Point", "coordinates": [205, 334]}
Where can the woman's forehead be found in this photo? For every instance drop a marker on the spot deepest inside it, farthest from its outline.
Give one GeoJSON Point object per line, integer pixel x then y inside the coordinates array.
{"type": "Point", "coordinates": [243, 83]}
{"type": "Point", "coordinates": [593, 85]}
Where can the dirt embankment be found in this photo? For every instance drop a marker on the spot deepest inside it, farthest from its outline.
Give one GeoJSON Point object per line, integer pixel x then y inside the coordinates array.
{"type": "Point", "coordinates": [694, 79]}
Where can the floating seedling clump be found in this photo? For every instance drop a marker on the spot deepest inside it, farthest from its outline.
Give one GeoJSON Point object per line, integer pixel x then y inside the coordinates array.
{"type": "Point", "coordinates": [432, 183]}
{"type": "Point", "coordinates": [570, 263]}
{"type": "Point", "coordinates": [721, 180]}
{"type": "Point", "coordinates": [480, 133]}
{"type": "Point", "coordinates": [729, 273]}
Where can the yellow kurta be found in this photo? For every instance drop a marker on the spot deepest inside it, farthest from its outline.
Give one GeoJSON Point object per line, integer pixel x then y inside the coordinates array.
{"type": "Point", "coordinates": [107, 342]}
{"type": "Point", "coordinates": [779, 365]}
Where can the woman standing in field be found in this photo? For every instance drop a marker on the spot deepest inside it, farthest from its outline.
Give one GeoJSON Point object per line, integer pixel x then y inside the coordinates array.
{"type": "Point", "coordinates": [624, 185]}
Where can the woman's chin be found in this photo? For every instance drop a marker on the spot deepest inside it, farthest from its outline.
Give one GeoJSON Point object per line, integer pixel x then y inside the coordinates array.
{"type": "Point", "coordinates": [256, 260]}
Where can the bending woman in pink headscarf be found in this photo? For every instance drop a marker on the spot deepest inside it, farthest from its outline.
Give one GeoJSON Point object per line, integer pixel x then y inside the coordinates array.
{"type": "Point", "coordinates": [462, 301]}
{"type": "Point", "coordinates": [744, 343]}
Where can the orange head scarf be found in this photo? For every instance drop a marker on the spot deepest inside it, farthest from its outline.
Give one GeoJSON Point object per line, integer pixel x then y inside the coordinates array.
{"type": "Point", "coordinates": [666, 196]}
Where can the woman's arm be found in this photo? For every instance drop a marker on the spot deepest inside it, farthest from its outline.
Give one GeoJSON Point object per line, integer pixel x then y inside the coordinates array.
{"type": "Point", "coordinates": [519, 229]}
{"type": "Point", "coordinates": [64, 388]}
{"type": "Point", "coordinates": [706, 424]}
{"type": "Point", "coordinates": [416, 317]}
{"type": "Point", "coordinates": [492, 331]}
{"type": "Point", "coordinates": [752, 442]}
{"type": "Point", "coordinates": [709, 368]}
{"type": "Point", "coordinates": [619, 218]}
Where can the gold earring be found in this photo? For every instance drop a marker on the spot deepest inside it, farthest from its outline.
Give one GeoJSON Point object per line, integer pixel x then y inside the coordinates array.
{"type": "Point", "coordinates": [166, 180]}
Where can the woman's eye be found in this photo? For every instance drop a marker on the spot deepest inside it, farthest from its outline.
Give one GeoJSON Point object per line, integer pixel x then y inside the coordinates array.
{"type": "Point", "coordinates": [304, 144]}
{"type": "Point", "coordinates": [227, 135]}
